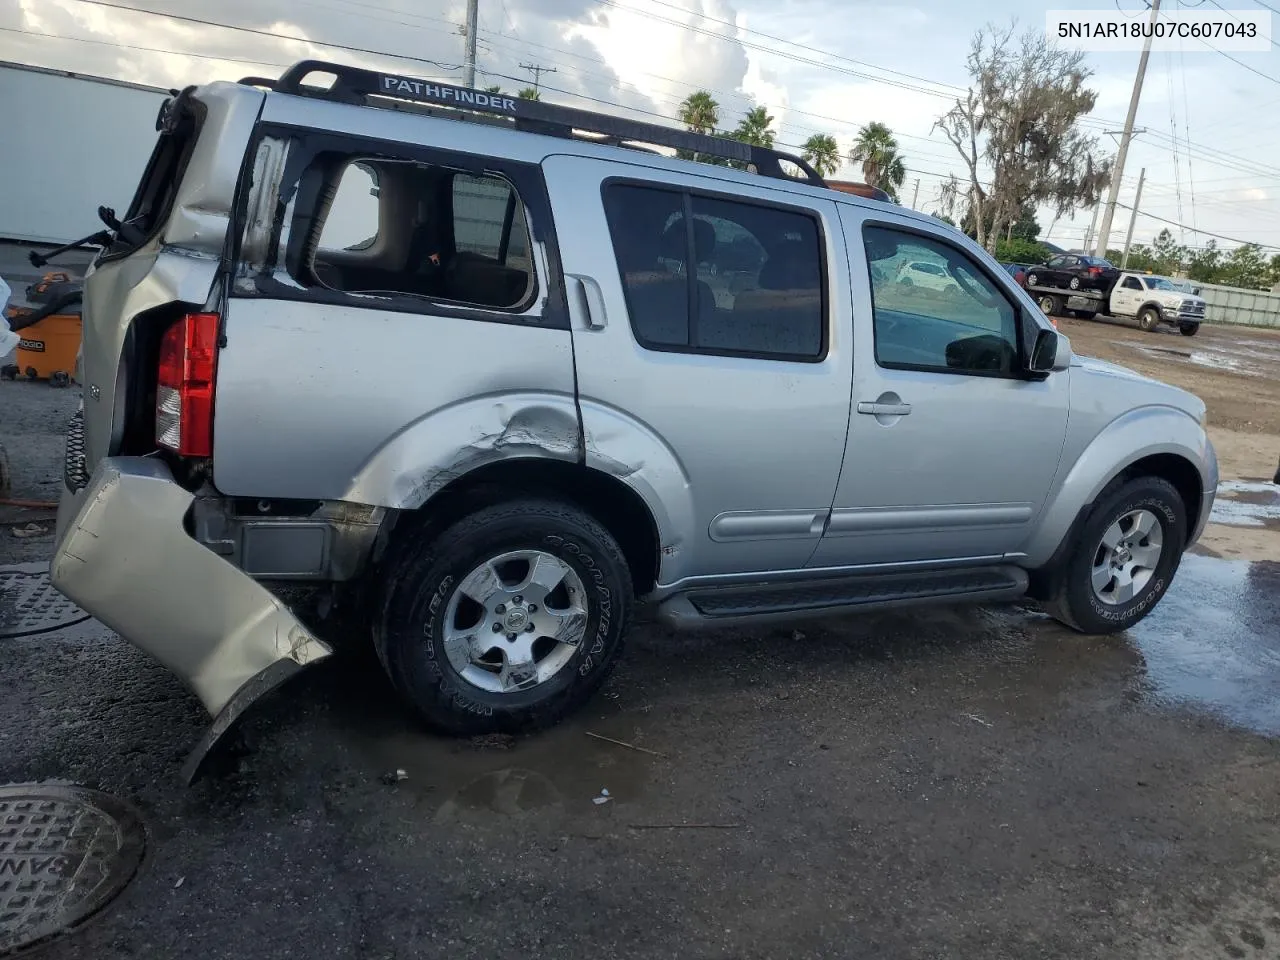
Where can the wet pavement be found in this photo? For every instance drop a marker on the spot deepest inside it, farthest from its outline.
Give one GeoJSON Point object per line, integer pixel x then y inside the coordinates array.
{"type": "Point", "coordinates": [953, 782]}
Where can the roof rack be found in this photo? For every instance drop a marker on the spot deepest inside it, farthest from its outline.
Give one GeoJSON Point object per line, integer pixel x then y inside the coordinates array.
{"type": "Point", "coordinates": [367, 87]}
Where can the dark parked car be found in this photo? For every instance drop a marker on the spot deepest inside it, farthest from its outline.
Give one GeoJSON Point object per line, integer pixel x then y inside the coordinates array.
{"type": "Point", "coordinates": [1074, 271]}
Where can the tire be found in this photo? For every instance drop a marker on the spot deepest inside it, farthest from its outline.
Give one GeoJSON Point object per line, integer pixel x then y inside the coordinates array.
{"type": "Point", "coordinates": [1084, 606]}
{"type": "Point", "coordinates": [1074, 283]}
{"type": "Point", "coordinates": [1189, 329]}
{"type": "Point", "coordinates": [1050, 305]}
{"type": "Point", "coordinates": [1148, 319]}
{"type": "Point", "coordinates": [908, 282]}
{"type": "Point", "coordinates": [422, 606]}
{"type": "Point", "coordinates": [1087, 314]}
{"type": "Point", "coordinates": [1033, 279]}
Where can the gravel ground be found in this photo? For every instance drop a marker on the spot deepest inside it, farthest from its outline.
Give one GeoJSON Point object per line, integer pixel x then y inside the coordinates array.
{"type": "Point", "coordinates": [964, 782]}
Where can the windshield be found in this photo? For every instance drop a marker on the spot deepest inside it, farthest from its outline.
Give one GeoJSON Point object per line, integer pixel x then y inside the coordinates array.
{"type": "Point", "coordinates": [1159, 283]}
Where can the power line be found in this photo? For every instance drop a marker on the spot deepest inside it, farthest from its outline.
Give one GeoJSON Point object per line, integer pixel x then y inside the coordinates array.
{"type": "Point", "coordinates": [793, 43]}
{"type": "Point", "coordinates": [274, 35]}
{"type": "Point", "coordinates": [778, 53]}
{"type": "Point", "coordinates": [1203, 233]}
{"type": "Point", "coordinates": [130, 46]}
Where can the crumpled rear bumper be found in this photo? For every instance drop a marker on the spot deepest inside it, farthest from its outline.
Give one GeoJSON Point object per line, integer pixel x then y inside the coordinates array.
{"type": "Point", "coordinates": [124, 555]}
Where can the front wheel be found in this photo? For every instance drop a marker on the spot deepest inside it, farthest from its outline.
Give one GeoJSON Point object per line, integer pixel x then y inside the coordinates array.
{"type": "Point", "coordinates": [1189, 329]}
{"type": "Point", "coordinates": [1124, 559]}
{"type": "Point", "coordinates": [509, 619]}
{"type": "Point", "coordinates": [1148, 319]}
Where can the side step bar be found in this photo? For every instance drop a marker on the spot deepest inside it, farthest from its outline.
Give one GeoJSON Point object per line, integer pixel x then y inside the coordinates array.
{"type": "Point", "coordinates": [721, 606]}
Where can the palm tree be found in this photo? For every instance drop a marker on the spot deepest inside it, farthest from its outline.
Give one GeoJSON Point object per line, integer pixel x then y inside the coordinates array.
{"type": "Point", "coordinates": [496, 88]}
{"type": "Point", "coordinates": [700, 112]}
{"type": "Point", "coordinates": [529, 93]}
{"type": "Point", "coordinates": [822, 153]}
{"type": "Point", "coordinates": [755, 128]}
{"type": "Point", "coordinates": [877, 151]}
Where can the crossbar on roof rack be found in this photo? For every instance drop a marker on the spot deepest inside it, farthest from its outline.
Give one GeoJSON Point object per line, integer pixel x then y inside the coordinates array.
{"type": "Point", "coordinates": [355, 85]}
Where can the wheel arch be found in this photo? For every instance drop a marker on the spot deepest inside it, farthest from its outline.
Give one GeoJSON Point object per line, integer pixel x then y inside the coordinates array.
{"type": "Point", "coordinates": [609, 500]}
{"type": "Point", "coordinates": [1125, 449]}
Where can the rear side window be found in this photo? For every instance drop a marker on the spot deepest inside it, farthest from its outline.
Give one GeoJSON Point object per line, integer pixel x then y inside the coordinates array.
{"type": "Point", "coordinates": [709, 275]}
{"type": "Point", "coordinates": [180, 121]}
{"type": "Point", "coordinates": [398, 227]}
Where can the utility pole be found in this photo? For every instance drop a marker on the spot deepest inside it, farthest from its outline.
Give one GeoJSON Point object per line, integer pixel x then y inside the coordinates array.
{"type": "Point", "coordinates": [469, 64]}
{"type": "Point", "coordinates": [537, 70]}
{"type": "Point", "coordinates": [1104, 234]}
{"type": "Point", "coordinates": [1093, 225]}
{"type": "Point", "coordinates": [915, 194]}
{"type": "Point", "coordinates": [1133, 217]}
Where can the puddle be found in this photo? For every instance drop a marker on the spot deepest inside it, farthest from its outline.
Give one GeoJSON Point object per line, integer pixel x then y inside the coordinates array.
{"type": "Point", "coordinates": [1214, 641]}
{"type": "Point", "coordinates": [1210, 359]}
{"type": "Point", "coordinates": [1242, 503]}
{"type": "Point", "coordinates": [548, 773]}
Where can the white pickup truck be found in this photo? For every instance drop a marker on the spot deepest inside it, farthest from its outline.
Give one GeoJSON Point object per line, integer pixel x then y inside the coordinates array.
{"type": "Point", "coordinates": [1151, 300]}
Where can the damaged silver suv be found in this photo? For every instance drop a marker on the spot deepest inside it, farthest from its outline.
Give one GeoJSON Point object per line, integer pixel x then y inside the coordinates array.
{"type": "Point", "coordinates": [481, 374]}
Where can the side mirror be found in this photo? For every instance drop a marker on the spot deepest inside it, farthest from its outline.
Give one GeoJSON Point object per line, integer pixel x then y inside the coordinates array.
{"type": "Point", "coordinates": [1050, 353]}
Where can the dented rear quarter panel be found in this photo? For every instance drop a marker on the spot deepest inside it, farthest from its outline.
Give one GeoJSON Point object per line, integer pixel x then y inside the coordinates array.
{"type": "Point", "coordinates": [382, 408]}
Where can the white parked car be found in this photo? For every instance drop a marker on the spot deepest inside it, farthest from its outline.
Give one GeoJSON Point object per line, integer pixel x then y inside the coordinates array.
{"type": "Point", "coordinates": [922, 273]}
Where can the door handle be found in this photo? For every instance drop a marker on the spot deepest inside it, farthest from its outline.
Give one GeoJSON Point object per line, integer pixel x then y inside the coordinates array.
{"type": "Point", "coordinates": [878, 409]}
{"type": "Point", "coordinates": [586, 301]}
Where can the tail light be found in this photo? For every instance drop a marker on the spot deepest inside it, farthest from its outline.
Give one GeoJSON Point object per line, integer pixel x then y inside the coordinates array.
{"type": "Point", "coordinates": [1094, 271]}
{"type": "Point", "coordinates": [185, 385]}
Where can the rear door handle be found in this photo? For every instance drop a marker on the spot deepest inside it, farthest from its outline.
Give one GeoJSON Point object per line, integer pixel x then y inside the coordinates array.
{"type": "Point", "coordinates": [884, 409]}
{"type": "Point", "coordinates": [586, 301]}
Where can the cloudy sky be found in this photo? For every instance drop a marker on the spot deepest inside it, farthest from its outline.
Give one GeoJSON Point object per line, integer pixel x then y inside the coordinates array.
{"type": "Point", "coordinates": [1209, 149]}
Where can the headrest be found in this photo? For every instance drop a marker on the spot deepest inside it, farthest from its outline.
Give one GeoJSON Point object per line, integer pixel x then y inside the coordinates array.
{"type": "Point", "coordinates": [788, 267]}
{"type": "Point", "coordinates": [674, 241]}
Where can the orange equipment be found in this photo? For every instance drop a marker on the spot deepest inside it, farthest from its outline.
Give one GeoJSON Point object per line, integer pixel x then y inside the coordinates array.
{"type": "Point", "coordinates": [49, 327]}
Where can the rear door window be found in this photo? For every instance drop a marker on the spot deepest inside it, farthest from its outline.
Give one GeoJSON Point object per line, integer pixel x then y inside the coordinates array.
{"type": "Point", "coordinates": [705, 274]}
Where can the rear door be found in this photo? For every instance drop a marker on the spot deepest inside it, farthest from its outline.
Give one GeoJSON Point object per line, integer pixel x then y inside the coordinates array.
{"type": "Point", "coordinates": [402, 321]}
{"type": "Point", "coordinates": [719, 341]}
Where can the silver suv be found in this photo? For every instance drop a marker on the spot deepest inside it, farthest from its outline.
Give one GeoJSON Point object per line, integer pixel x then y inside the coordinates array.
{"type": "Point", "coordinates": [481, 386]}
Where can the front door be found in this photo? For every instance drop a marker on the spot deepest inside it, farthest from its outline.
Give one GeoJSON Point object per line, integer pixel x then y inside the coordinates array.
{"type": "Point", "coordinates": [1127, 296]}
{"type": "Point", "coordinates": [715, 356]}
{"type": "Point", "coordinates": [951, 454]}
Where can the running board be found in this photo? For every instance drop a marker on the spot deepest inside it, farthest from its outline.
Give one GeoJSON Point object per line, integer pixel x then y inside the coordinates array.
{"type": "Point", "coordinates": [714, 607]}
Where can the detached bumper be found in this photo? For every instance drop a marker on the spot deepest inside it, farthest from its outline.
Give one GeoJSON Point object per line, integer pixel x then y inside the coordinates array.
{"type": "Point", "coordinates": [124, 555]}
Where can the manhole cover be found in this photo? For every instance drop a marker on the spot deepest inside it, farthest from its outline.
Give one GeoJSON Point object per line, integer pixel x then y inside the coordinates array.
{"type": "Point", "coordinates": [29, 604]}
{"type": "Point", "coordinates": [65, 852]}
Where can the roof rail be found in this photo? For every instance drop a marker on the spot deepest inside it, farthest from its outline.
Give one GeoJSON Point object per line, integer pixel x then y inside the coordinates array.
{"type": "Point", "coordinates": [365, 87]}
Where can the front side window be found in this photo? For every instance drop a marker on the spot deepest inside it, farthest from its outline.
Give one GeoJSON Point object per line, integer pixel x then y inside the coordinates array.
{"type": "Point", "coordinates": [708, 275]}
{"type": "Point", "coordinates": [399, 227]}
{"type": "Point", "coordinates": [957, 322]}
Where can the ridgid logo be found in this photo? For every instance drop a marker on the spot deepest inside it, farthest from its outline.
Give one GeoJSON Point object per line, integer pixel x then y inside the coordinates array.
{"type": "Point", "coordinates": [443, 93]}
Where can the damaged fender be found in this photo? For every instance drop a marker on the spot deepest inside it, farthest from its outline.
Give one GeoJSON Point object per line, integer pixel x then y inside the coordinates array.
{"type": "Point", "coordinates": [427, 456]}
{"type": "Point", "coordinates": [126, 557]}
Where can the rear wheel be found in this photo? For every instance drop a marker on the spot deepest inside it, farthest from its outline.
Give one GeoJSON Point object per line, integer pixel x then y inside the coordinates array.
{"type": "Point", "coordinates": [1124, 558]}
{"type": "Point", "coordinates": [1051, 305]}
{"type": "Point", "coordinates": [1074, 283]}
{"type": "Point", "coordinates": [1148, 319]}
{"type": "Point", "coordinates": [1189, 329]}
{"type": "Point", "coordinates": [511, 618]}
